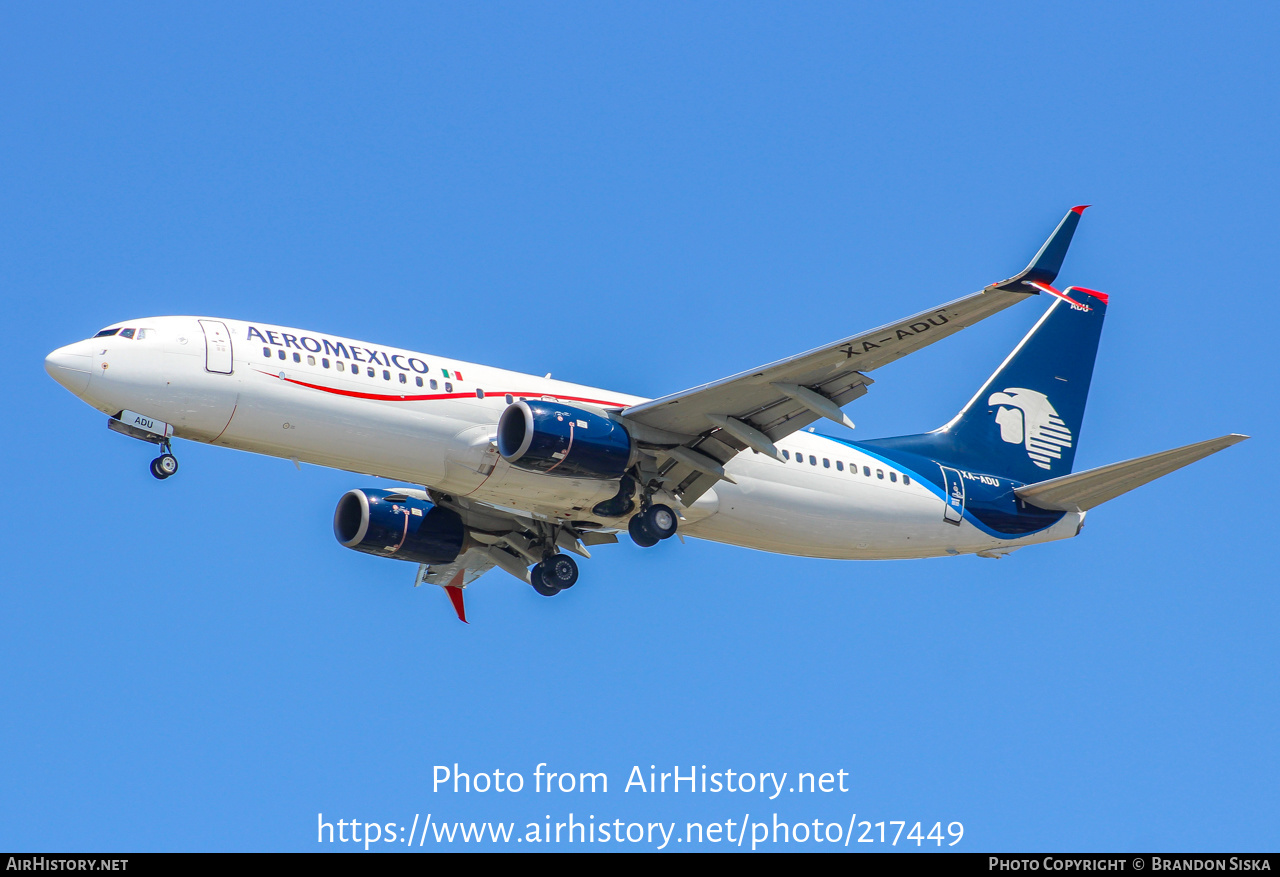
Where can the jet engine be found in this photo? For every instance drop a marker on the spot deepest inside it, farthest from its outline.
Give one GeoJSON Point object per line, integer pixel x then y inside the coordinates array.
{"type": "Point", "coordinates": [558, 439]}
{"type": "Point", "coordinates": [389, 524]}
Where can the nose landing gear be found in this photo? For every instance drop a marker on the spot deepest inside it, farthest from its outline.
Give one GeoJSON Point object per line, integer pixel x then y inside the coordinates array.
{"type": "Point", "coordinates": [164, 465]}
{"type": "Point", "coordinates": [148, 429]}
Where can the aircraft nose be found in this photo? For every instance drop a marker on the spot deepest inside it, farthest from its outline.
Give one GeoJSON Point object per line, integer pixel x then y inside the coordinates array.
{"type": "Point", "coordinates": [71, 366]}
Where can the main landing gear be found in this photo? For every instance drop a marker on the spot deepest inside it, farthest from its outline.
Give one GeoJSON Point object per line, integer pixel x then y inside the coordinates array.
{"type": "Point", "coordinates": [164, 465]}
{"type": "Point", "coordinates": [556, 573]}
{"type": "Point", "coordinates": [559, 572]}
{"type": "Point", "coordinates": [652, 525]}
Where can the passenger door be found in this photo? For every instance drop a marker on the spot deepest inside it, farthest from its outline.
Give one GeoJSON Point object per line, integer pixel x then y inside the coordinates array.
{"type": "Point", "coordinates": [217, 347]}
{"type": "Point", "coordinates": [953, 512]}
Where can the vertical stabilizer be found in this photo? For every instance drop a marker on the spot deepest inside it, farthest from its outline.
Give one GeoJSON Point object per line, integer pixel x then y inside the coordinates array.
{"type": "Point", "coordinates": [1025, 422]}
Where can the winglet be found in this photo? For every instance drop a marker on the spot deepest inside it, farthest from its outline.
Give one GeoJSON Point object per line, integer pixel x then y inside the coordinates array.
{"type": "Point", "coordinates": [1047, 263]}
{"type": "Point", "coordinates": [455, 597]}
{"type": "Point", "coordinates": [454, 590]}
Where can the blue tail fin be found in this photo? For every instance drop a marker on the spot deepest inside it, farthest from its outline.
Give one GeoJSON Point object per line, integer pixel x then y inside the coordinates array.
{"type": "Point", "coordinates": [1025, 422]}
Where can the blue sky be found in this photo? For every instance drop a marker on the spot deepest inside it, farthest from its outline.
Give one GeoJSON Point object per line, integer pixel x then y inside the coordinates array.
{"type": "Point", "coordinates": [639, 197]}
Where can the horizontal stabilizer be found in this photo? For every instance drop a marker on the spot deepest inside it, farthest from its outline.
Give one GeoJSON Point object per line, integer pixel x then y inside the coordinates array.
{"type": "Point", "coordinates": [1084, 490]}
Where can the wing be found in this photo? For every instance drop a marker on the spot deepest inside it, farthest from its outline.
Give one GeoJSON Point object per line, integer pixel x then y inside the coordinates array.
{"type": "Point", "coordinates": [691, 435]}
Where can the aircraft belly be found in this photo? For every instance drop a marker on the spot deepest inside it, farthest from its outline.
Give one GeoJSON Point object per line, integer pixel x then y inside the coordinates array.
{"type": "Point", "coordinates": [813, 514]}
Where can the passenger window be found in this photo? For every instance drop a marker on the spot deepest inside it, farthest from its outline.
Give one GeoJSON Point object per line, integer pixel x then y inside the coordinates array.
{"type": "Point", "coordinates": [403, 378]}
{"type": "Point", "coordinates": [880, 474]}
{"type": "Point", "coordinates": [510, 399]}
{"type": "Point", "coordinates": [813, 461]}
{"type": "Point", "coordinates": [906, 479]}
{"type": "Point", "coordinates": [126, 333]}
{"type": "Point", "coordinates": [434, 385]}
{"type": "Point", "coordinates": [448, 387]}
{"type": "Point", "coordinates": [370, 371]}
{"type": "Point", "coordinates": [386, 375]}
{"type": "Point", "coordinates": [266, 351]}
{"type": "Point", "coordinates": [297, 357]}
{"type": "Point", "coordinates": [786, 455]}
{"type": "Point", "coordinates": [311, 360]}
{"type": "Point", "coordinates": [479, 393]}
{"type": "Point", "coordinates": [325, 362]}
{"type": "Point", "coordinates": [826, 464]}
{"type": "Point", "coordinates": [418, 381]}
{"type": "Point", "coordinates": [893, 476]}
{"type": "Point", "coordinates": [866, 470]}
{"type": "Point", "coordinates": [342, 366]}
{"type": "Point", "coordinates": [281, 352]}
{"type": "Point", "coordinates": [839, 466]}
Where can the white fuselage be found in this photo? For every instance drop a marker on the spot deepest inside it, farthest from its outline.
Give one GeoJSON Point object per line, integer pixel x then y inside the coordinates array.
{"type": "Point", "coordinates": [426, 420]}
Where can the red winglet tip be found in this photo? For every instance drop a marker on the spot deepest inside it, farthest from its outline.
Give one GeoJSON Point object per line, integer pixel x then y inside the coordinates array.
{"type": "Point", "coordinates": [1100, 296]}
{"type": "Point", "coordinates": [1081, 208]}
{"type": "Point", "coordinates": [455, 597]}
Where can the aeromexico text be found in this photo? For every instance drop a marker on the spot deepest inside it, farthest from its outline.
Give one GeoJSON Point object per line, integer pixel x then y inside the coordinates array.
{"type": "Point", "coordinates": [352, 351]}
{"type": "Point", "coordinates": [694, 778]}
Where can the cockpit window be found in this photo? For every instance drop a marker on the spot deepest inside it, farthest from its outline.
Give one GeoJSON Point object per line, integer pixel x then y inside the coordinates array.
{"type": "Point", "coordinates": [146, 333]}
{"type": "Point", "coordinates": [126, 333]}
{"type": "Point", "coordinates": [106, 332]}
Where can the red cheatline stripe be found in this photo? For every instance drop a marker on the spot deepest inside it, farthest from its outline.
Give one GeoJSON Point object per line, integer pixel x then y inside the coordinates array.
{"type": "Point", "coordinates": [383, 397]}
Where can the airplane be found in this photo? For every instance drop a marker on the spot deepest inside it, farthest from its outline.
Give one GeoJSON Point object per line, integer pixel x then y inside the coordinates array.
{"type": "Point", "coordinates": [515, 472]}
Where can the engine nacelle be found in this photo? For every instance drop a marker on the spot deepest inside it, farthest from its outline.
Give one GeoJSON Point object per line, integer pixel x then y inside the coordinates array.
{"type": "Point", "coordinates": [390, 524]}
{"type": "Point", "coordinates": [558, 439]}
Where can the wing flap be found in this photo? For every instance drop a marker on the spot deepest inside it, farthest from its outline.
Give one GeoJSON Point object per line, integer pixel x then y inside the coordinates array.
{"type": "Point", "coordinates": [1085, 490]}
{"type": "Point", "coordinates": [471, 564]}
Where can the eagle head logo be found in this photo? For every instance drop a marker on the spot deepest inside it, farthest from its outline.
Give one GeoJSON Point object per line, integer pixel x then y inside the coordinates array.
{"type": "Point", "coordinates": [1026, 418]}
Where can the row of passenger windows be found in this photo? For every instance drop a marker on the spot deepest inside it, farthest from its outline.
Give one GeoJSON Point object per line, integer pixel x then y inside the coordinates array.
{"type": "Point", "coordinates": [853, 470]}
{"type": "Point", "coordinates": [370, 371]}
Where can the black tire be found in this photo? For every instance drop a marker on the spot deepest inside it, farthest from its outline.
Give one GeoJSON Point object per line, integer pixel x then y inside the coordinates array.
{"type": "Point", "coordinates": [560, 571]}
{"type": "Point", "coordinates": [164, 466]}
{"type": "Point", "coordinates": [540, 584]}
{"type": "Point", "coordinates": [640, 532]}
{"type": "Point", "coordinates": [660, 521]}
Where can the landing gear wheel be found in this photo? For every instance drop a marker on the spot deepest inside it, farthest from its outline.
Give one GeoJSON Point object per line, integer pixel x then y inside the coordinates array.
{"type": "Point", "coordinates": [164, 466]}
{"type": "Point", "coordinates": [660, 521]}
{"type": "Point", "coordinates": [560, 571]}
{"type": "Point", "coordinates": [541, 585]}
{"type": "Point", "coordinates": [640, 532]}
